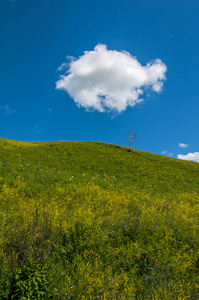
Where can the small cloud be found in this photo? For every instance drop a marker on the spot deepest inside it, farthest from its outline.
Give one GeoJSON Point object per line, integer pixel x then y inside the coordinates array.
{"type": "Point", "coordinates": [167, 153]}
{"type": "Point", "coordinates": [36, 127]}
{"type": "Point", "coordinates": [182, 145]}
{"type": "Point", "coordinates": [50, 109]}
{"type": "Point", "coordinates": [109, 80]}
{"type": "Point", "coordinates": [62, 67]}
{"type": "Point", "coordinates": [6, 110]}
{"type": "Point", "coordinates": [190, 156]}
{"type": "Point", "coordinates": [37, 130]}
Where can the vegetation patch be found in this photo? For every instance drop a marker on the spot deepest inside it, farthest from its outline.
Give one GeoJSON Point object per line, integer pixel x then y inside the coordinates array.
{"type": "Point", "coordinates": [82, 220]}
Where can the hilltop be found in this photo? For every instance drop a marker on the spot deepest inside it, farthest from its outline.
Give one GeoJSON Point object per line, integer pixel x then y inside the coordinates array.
{"type": "Point", "coordinates": [134, 170]}
{"type": "Point", "coordinates": [88, 220]}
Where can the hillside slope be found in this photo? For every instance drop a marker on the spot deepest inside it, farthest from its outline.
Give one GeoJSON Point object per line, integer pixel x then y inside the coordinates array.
{"type": "Point", "coordinates": [57, 161]}
{"type": "Point", "coordinates": [88, 220]}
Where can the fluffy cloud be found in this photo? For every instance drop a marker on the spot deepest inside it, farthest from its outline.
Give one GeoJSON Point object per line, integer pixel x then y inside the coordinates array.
{"type": "Point", "coordinates": [110, 80]}
{"type": "Point", "coordinates": [182, 145]}
{"type": "Point", "coordinates": [190, 156]}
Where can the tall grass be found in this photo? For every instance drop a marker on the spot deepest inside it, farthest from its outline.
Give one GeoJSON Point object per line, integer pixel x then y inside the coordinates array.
{"type": "Point", "coordinates": [93, 221]}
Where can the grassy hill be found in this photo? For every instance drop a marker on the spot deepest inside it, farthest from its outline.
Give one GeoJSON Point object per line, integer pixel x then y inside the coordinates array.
{"type": "Point", "coordinates": [85, 220]}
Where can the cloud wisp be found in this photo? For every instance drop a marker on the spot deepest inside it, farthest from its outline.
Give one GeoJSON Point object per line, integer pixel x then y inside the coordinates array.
{"type": "Point", "coordinates": [38, 130]}
{"type": "Point", "coordinates": [182, 145]}
{"type": "Point", "coordinates": [6, 110]}
{"type": "Point", "coordinates": [190, 156]}
{"type": "Point", "coordinates": [167, 153]}
{"type": "Point", "coordinates": [109, 80]}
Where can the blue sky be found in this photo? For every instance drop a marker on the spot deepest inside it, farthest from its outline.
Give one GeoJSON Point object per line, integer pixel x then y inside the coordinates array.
{"type": "Point", "coordinates": [36, 37]}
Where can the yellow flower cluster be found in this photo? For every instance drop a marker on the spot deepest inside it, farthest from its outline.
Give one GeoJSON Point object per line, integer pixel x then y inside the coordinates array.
{"type": "Point", "coordinates": [126, 241]}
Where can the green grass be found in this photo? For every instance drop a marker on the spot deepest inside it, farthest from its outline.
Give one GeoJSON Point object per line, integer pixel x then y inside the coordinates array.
{"type": "Point", "coordinates": [85, 220]}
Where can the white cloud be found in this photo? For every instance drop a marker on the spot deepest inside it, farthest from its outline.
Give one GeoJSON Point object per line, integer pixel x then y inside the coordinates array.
{"type": "Point", "coordinates": [110, 80]}
{"type": "Point", "coordinates": [167, 153]}
{"type": "Point", "coordinates": [62, 67]}
{"type": "Point", "coordinates": [182, 145]}
{"type": "Point", "coordinates": [6, 110]}
{"type": "Point", "coordinates": [190, 156]}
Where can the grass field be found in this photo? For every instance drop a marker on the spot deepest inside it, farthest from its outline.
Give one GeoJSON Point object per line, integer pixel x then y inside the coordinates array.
{"type": "Point", "coordinates": [85, 220]}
